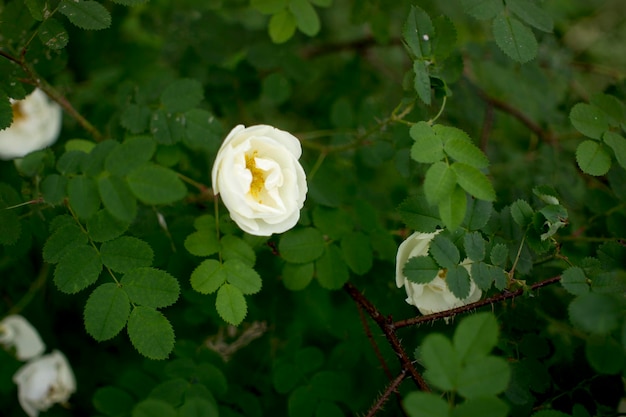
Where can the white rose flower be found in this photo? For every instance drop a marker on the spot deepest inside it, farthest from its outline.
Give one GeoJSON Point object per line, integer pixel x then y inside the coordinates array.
{"type": "Point", "coordinates": [261, 182]}
{"type": "Point", "coordinates": [435, 296]}
{"type": "Point", "coordinates": [36, 125]}
{"type": "Point", "coordinates": [43, 382]}
{"type": "Point", "coordinates": [17, 332]}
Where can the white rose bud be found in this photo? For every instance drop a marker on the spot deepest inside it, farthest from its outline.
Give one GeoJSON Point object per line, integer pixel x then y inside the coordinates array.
{"type": "Point", "coordinates": [16, 332]}
{"type": "Point", "coordinates": [260, 180]}
{"type": "Point", "coordinates": [43, 382]}
{"type": "Point", "coordinates": [36, 125]}
{"type": "Point", "coordinates": [435, 296]}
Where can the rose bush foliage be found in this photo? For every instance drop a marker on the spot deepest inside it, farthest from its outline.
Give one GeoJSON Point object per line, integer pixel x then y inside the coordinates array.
{"type": "Point", "coordinates": [466, 156]}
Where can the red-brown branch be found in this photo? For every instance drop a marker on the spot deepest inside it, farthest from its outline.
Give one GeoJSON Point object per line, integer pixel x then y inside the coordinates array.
{"type": "Point", "coordinates": [491, 300]}
{"type": "Point", "coordinates": [386, 324]}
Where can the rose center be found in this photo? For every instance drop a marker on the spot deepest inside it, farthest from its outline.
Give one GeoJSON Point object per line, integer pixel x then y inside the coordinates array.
{"type": "Point", "coordinates": [18, 114]}
{"type": "Point", "coordinates": [258, 175]}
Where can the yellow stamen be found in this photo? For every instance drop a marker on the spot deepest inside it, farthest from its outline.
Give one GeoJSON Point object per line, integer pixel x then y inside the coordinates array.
{"type": "Point", "coordinates": [258, 176]}
{"type": "Point", "coordinates": [442, 273]}
{"type": "Point", "coordinates": [18, 114]}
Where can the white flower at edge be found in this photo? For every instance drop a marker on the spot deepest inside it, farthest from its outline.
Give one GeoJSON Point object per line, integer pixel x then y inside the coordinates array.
{"type": "Point", "coordinates": [43, 382]}
{"type": "Point", "coordinates": [435, 296]}
{"type": "Point", "coordinates": [259, 178]}
{"type": "Point", "coordinates": [16, 331]}
{"type": "Point", "coordinates": [36, 125]}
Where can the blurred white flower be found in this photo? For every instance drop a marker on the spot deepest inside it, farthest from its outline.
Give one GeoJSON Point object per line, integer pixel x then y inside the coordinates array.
{"type": "Point", "coordinates": [435, 296]}
{"type": "Point", "coordinates": [17, 332]}
{"type": "Point", "coordinates": [36, 125]}
{"type": "Point", "coordinates": [261, 182]}
{"type": "Point", "coordinates": [43, 382]}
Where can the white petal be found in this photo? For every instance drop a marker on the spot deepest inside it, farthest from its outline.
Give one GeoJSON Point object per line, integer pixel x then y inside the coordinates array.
{"type": "Point", "coordinates": [16, 331]}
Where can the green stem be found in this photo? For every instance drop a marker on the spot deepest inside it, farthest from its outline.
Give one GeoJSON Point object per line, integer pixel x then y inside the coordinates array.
{"type": "Point", "coordinates": [34, 287]}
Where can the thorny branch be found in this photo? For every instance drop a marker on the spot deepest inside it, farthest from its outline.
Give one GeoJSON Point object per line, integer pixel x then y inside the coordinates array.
{"type": "Point", "coordinates": [389, 328]}
{"type": "Point", "coordinates": [54, 94]}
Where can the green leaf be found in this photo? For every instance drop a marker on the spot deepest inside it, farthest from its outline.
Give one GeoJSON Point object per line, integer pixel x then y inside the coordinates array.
{"type": "Point", "coordinates": [618, 144]}
{"type": "Point", "coordinates": [473, 181]}
{"type": "Point", "coordinates": [202, 243]}
{"type": "Point", "coordinates": [428, 147]}
{"type": "Point", "coordinates": [83, 195]}
{"type": "Point", "coordinates": [499, 254]}
{"type": "Point", "coordinates": [297, 277]}
{"type": "Point", "coordinates": [233, 247]}
{"type": "Point", "coordinates": [459, 146]}
{"type": "Point", "coordinates": [417, 214]}
{"type": "Point", "coordinates": [154, 407]}
{"type": "Point", "coordinates": [522, 213]}
{"type": "Point", "coordinates": [476, 336]}
{"type": "Point", "coordinates": [307, 19]}
{"type": "Point", "coordinates": [62, 241]}
{"type": "Point", "coordinates": [484, 376]}
{"type": "Point", "coordinates": [357, 252]}
{"type": "Point", "coordinates": [481, 407]}
{"type": "Point", "coordinates": [6, 111]}
{"type": "Point", "coordinates": [589, 120]}
{"type": "Point", "coordinates": [417, 33]}
{"type": "Point", "coordinates": [52, 34]}
{"type": "Point", "coordinates": [135, 118]}
{"type": "Point", "coordinates": [167, 129]}
{"type": "Point", "coordinates": [420, 269]}
{"type": "Point", "coordinates": [102, 226]}
{"type": "Point", "coordinates": [301, 245]}
{"type": "Point", "coordinates": [421, 83]}
{"type": "Point", "coordinates": [439, 182]}
{"type": "Point", "coordinates": [154, 184]}
{"type": "Point", "coordinates": [452, 209]}
{"type": "Point", "coordinates": [89, 14]}
{"type": "Point", "coordinates": [441, 361]}
{"type": "Point", "coordinates": [79, 268]}
{"type": "Point", "coordinates": [593, 158]}
{"type": "Point", "coordinates": [532, 14]}
{"type": "Point", "coordinates": [231, 304]}
{"type": "Point", "coordinates": [302, 402]}
{"type": "Point", "coordinates": [150, 287]}
{"type": "Point", "coordinates": [331, 385]}
{"type": "Point", "coordinates": [198, 407]}
{"type": "Point", "coordinates": [182, 95]}
{"type": "Point", "coordinates": [334, 223]}
{"type": "Point", "coordinates": [202, 130]}
{"type": "Point", "coordinates": [549, 413]}
{"type": "Point", "coordinates": [574, 281]}
{"type": "Point", "coordinates": [126, 253]}
{"type": "Point", "coordinates": [605, 355]}
{"type": "Point", "coordinates": [328, 409]}
{"type": "Point", "coordinates": [477, 214]}
{"type": "Point", "coordinates": [484, 275]}
{"type": "Point", "coordinates": [93, 164]}
{"type": "Point", "coordinates": [208, 276]}
{"type": "Point", "coordinates": [242, 276]}
{"type": "Point", "coordinates": [514, 38]}
{"type": "Point", "coordinates": [130, 155]}
{"type": "Point", "coordinates": [482, 9]}
{"type": "Point", "coordinates": [474, 245]}
{"type": "Point", "coordinates": [129, 2]}
{"type": "Point", "coordinates": [54, 189]}
{"type": "Point", "coordinates": [445, 38]}
{"type": "Point", "coordinates": [457, 280]}
{"type": "Point", "coordinates": [106, 311]}
{"type": "Point", "coordinates": [269, 6]}
{"type": "Point", "coordinates": [113, 401]}
{"type": "Point", "coordinates": [282, 26]}
{"type": "Point", "coordinates": [444, 252]}
{"type": "Point", "coordinates": [425, 404]}
{"type": "Point", "coordinates": [117, 197]}
{"type": "Point", "coordinates": [70, 162]}
{"type": "Point", "coordinates": [595, 313]}
{"type": "Point", "coordinates": [35, 8]}
{"type": "Point", "coordinates": [614, 109]}
{"type": "Point", "coordinates": [150, 333]}
{"type": "Point", "coordinates": [332, 271]}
